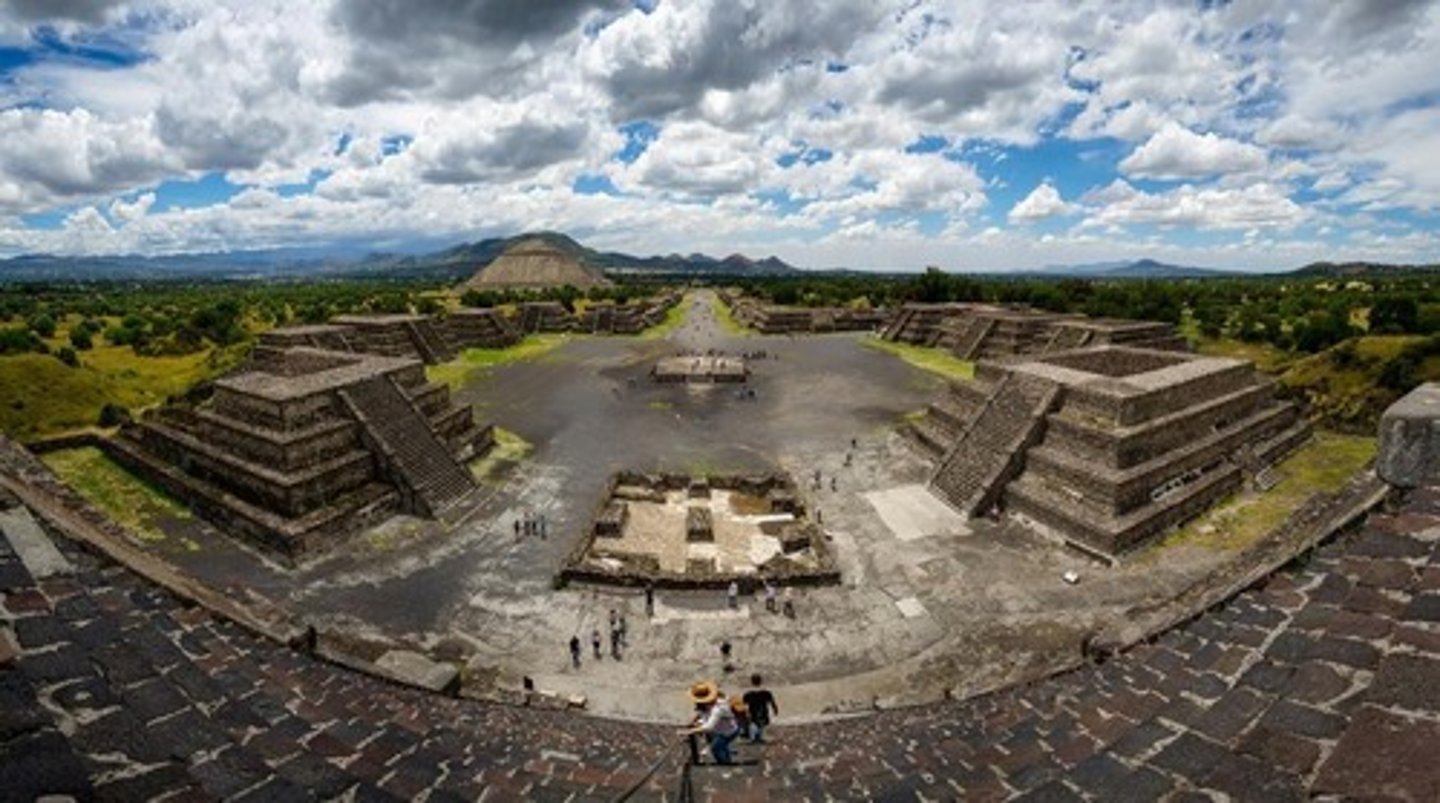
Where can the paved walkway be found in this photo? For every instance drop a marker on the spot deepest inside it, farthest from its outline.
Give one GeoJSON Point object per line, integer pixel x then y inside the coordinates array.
{"type": "Point", "coordinates": [1322, 681]}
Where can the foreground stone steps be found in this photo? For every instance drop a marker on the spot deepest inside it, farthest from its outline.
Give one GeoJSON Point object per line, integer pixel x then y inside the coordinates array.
{"type": "Point", "coordinates": [1318, 682]}
{"type": "Point", "coordinates": [415, 451]}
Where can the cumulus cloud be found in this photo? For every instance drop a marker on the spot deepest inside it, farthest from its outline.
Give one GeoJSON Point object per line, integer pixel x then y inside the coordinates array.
{"type": "Point", "coordinates": [439, 116]}
{"type": "Point", "coordinates": [1175, 152]}
{"type": "Point", "coordinates": [1259, 205]}
{"type": "Point", "coordinates": [1043, 202]}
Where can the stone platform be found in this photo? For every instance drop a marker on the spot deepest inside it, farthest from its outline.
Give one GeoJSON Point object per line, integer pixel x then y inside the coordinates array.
{"type": "Point", "coordinates": [703, 368]}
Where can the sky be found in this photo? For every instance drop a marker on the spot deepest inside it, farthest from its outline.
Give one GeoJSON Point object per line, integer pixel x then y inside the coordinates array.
{"type": "Point", "coordinates": [965, 134]}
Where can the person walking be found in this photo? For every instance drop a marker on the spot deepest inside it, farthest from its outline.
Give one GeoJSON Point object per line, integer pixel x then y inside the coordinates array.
{"type": "Point", "coordinates": [789, 604]}
{"type": "Point", "coordinates": [759, 703]}
{"type": "Point", "coordinates": [624, 641]}
{"type": "Point", "coordinates": [575, 651]}
{"type": "Point", "coordinates": [714, 719]}
{"type": "Point", "coordinates": [650, 600]}
{"type": "Point", "coordinates": [595, 642]}
{"type": "Point", "coordinates": [770, 596]}
{"type": "Point", "coordinates": [732, 595]}
{"type": "Point", "coordinates": [615, 643]}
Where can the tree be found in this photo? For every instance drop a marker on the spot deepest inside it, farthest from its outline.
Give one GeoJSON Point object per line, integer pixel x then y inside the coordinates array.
{"type": "Point", "coordinates": [68, 356]}
{"type": "Point", "coordinates": [43, 324]}
{"type": "Point", "coordinates": [80, 338]}
{"type": "Point", "coordinates": [1394, 315]}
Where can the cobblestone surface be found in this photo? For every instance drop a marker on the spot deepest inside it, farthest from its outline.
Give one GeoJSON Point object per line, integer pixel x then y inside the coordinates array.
{"type": "Point", "coordinates": [1323, 680]}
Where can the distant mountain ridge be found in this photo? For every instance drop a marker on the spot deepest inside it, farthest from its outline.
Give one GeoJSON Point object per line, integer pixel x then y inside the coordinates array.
{"type": "Point", "coordinates": [447, 264]}
{"type": "Point", "coordinates": [1135, 269]}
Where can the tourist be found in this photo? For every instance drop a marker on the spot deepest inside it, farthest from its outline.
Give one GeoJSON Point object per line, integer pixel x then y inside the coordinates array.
{"type": "Point", "coordinates": [769, 596]}
{"type": "Point", "coordinates": [575, 651]}
{"type": "Point", "coordinates": [517, 529]}
{"type": "Point", "coordinates": [789, 604]}
{"type": "Point", "coordinates": [759, 703]}
{"type": "Point", "coordinates": [650, 600]}
{"type": "Point", "coordinates": [595, 642]}
{"type": "Point", "coordinates": [542, 526]}
{"type": "Point", "coordinates": [615, 644]}
{"type": "Point", "coordinates": [732, 595]}
{"type": "Point", "coordinates": [832, 483]}
{"type": "Point", "coordinates": [614, 618]}
{"type": "Point", "coordinates": [713, 718]}
{"type": "Point", "coordinates": [623, 629]}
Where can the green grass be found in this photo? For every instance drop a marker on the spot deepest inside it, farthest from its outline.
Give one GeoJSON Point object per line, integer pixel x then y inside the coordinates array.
{"type": "Point", "coordinates": [674, 318]}
{"type": "Point", "coordinates": [509, 449]}
{"type": "Point", "coordinates": [463, 369]}
{"type": "Point", "coordinates": [1266, 357]}
{"type": "Point", "coordinates": [1323, 465]}
{"type": "Point", "coordinates": [727, 322]}
{"type": "Point", "coordinates": [924, 358]}
{"type": "Point", "coordinates": [131, 502]}
{"type": "Point", "coordinates": [40, 396]}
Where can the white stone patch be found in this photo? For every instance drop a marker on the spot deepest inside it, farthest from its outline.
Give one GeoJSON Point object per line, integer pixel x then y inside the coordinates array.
{"type": "Point", "coordinates": [763, 548]}
{"type": "Point", "coordinates": [669, 613]}
{"type": "Point", "coordinates": [34, 548]}
{"type": "Point", "coordinates": [911, 607]}
{"type": "Point", "coordinates": [912, 512]}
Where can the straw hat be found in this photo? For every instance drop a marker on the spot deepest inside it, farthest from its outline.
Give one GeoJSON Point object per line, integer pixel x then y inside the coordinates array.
{"type": "Point", "coordinates": [704, 692]}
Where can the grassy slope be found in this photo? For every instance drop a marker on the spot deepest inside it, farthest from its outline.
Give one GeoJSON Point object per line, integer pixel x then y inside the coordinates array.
{"type": "Point", "coordinates": [125, 498]}
{"type": "Point", "coordinates": [1321, 465]}
{"type": "Point", "coordinates": [39, 395]}
{"type": "Point", "coordinates": [924, 358]}
{"type": "Point", "coordinates": [459, 371]}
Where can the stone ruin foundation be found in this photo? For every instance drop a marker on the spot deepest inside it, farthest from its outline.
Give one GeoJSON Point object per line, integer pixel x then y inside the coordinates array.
{"type": "Point", "coordinates": [988, 331]}
{"type": "Point", "coordinates": [302, 446]}
{"type": "Point", "coordinates": [1106, 446]}
{"type": "Point", "coordinates": [678, 531]}
{"type": "Point", "coordinates": [700, 368]}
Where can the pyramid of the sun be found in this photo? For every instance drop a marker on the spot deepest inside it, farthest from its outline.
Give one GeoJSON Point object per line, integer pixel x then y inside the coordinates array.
{"type": "Point", "coordinates": [535, 263]}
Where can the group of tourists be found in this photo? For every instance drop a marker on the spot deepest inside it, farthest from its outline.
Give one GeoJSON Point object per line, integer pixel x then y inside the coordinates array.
{"type": "Point", "coordinates": [721, 718]}
{"type": "Point", "coordinates": [773, 598]}
{"type": "Point", "coordinates": [618, 640]}
{"type": "Point", "coordinates": [531, 524]}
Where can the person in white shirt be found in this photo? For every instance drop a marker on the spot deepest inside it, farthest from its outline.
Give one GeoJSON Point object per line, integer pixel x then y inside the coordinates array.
{"type": "Point", "coordinates": [715, 719]}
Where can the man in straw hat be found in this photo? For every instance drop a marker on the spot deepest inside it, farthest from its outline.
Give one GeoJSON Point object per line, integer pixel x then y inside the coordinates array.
{"type": "Point", "coordinates": [715, 719]}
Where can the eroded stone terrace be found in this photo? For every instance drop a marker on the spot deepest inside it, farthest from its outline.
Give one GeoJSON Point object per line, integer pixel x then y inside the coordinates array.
{"type": "Point", "coordinates": [1320, 681]}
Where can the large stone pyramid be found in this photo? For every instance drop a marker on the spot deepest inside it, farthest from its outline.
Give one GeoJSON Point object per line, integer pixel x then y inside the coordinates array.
{"type": "Point", "coordinates": [535, 262]}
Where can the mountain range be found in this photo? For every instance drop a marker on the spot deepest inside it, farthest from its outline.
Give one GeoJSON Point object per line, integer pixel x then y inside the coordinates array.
{"type": "Point", "coordinates": [458, 262]}
{"type": "Point", "coordinates": [448, 264]}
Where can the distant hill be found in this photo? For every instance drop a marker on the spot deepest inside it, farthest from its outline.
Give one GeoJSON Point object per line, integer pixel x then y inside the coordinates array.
{"type": "Point", "coordinates": [1134, 269]}
{"type": "Point", "coordinates": [1353, 270]}
{"type": "Point", "coordinates": [450, 264]}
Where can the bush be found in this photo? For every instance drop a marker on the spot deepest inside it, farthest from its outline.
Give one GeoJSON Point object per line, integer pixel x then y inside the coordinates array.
{"type": "Point", "coordinates": [68, 356]}
{"type": "Point", "coordinates": [80, 338]}
{"type": "Point", "coordinates": [43, 324]}
{"type": "Point", "coordinates": [114, 415]}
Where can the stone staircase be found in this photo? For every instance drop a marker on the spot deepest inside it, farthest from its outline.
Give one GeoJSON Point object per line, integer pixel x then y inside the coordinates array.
{"type": "Point", "coordinates": [897, 324]}
{"type": "Point", "coordinates": [433, 348]}
{"type": "Point", "coordinates": [988, 452]}
{"type": "Point", "coordinates": [415, 456]}
{"type": "Point", "coordinates": [1068, 337]}
{"type": "Point", "coordinates": [968, 344]}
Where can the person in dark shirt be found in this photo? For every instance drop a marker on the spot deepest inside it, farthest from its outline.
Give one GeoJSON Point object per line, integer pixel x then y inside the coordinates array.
{"type": "Point", "coordinates": [760, 703]}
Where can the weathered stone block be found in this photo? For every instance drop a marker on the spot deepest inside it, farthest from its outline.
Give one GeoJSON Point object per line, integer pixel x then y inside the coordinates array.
{"type": "Point", "coordinates": [417, 670]}
{"type": "Point", "coordinates": [1410, 439]}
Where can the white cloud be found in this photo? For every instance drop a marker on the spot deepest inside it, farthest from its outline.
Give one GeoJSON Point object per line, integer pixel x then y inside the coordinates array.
{"type": "Point", "coordinates": [1175, 152]}
{"type": "Point", "coordinates": [1043, 202]}
{"type": "Point", "coordinates": [1256, 206]}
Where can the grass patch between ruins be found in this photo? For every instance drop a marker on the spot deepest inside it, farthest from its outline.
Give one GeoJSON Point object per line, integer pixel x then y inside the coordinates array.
{"type": "Point", "coordinates": [463, 369]}
{"type": "Point", "coordinates": [674, 318]}
{"type": "Point", "coordinates": [509, 449]}
{"type": "Point", "coordinates": [1322, 465]}
{"type": "Point", "coordinates": [727, 322]}
{"type": "Point", "coordinates": [125, 498]}
{"type": "Point", "coordinates": [924, 358]}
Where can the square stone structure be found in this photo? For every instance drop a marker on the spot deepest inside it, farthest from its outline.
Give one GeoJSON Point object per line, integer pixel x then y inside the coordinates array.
{"type": "Point", "coordinates": [397, 336]}
{"type": "Point", "coordinates": [303, 446]}
{"type": "Point", "coordinates": [700, 368]}
{"type": "Point", "coordinates": [1108, 445]}
{"type": "Point", "coordinates": [745, 529]}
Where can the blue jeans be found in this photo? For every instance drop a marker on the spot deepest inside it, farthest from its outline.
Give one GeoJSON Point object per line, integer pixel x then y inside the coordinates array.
{"type": "Point", "coordinates": [757, 731]}
{"type": "Point", "coordinates": [720, 747]}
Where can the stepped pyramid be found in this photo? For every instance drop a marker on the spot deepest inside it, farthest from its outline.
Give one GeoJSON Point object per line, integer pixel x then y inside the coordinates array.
{"type": "Point", "coordinates": [532, 263]}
